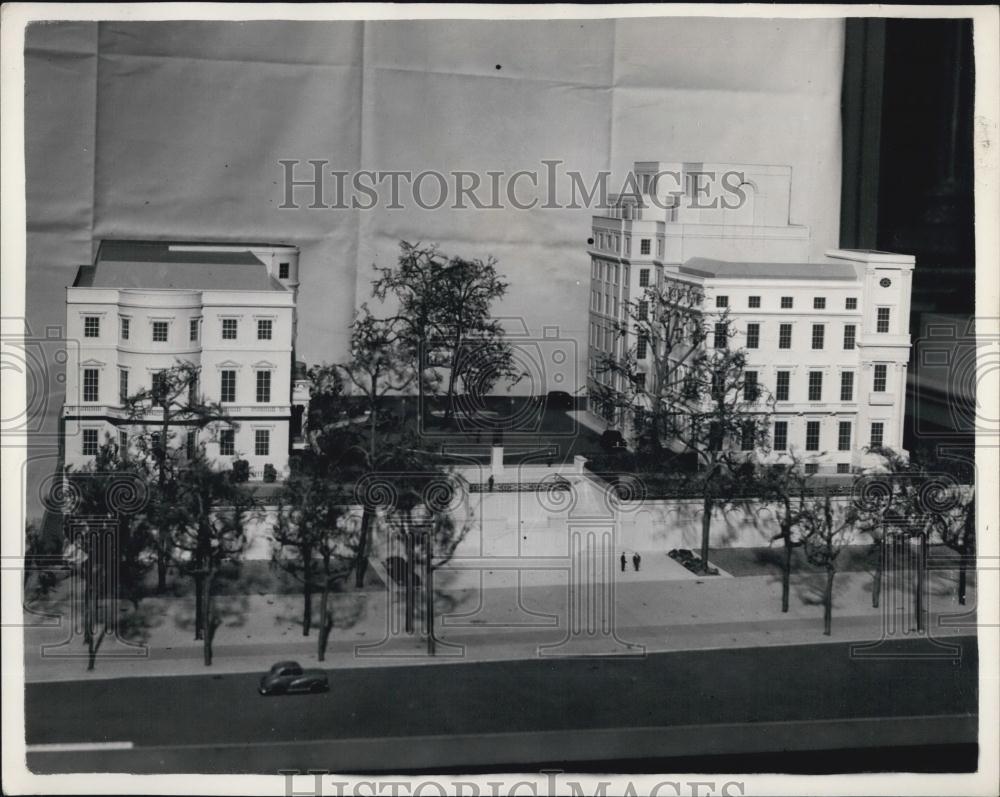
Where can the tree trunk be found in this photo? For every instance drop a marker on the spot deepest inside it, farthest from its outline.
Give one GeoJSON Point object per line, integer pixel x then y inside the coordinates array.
{"type": "Point", "coordinates": [411, 581]}
{"type": "Point", "coordinates": [429, 593]}
{"type": "Point", "coordinates": [161, 570]}
{"type": "Point", "coordinates": [921, 580]}
{"type": "Point", "coordinates": [325, 622]}
{"type": "Point", "coordinates": [877, 578]}
{"type": "Point", "coordinates": [93, 646]}
{"type": "Point", "coordinates": [361, 560]}
{"type": "Point", "coordinates": [786, 573]}
{"type": "Point", "coordinates": [706, 529]}
{"type": "Point", "coordinates": [211, 621]}
{"type": "Point", "coordinates": [307, 590]}
{"type": "Point", "coordinates": [199, 605]}
{"type": "Point", "coordinates": [828, 602]}
{"type": "Point", "coordinates": [962, 567]}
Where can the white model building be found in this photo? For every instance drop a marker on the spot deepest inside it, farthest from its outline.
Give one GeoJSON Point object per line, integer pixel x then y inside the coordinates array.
{"type": "Point", "coordinates": [229, 309]}
{"type": "Point", "coordinates": [828, 339]}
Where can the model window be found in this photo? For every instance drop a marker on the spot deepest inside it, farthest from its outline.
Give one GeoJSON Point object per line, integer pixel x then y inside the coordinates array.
{"type": "Point", "coordinates": [844, 436]}
{"type": "Point", "coordinates": [722, 301]}
{"type": "Point", "coordinates": [747, 433]}
{"type": "Point", "coordinates": [191, 444]}
{"type": "Point", "coordinates": [851, 303]}
{"type": "Point", "coordinates": [812, 468]}
{"type": "Point", "coordinates": [781, 435]}
{"type": "Point", "coordinates": [786, 302]}
{"type": "Point", "coordinates": [90, 384]}
{"type": "Point", "coordinates": [263, 387]}
{"type": "Point", "coordinates": [227, 390]}
{"type": "Point", "coordinates": [123, 384]}
{"type": "Point", "coordinates": [161, 330]}
{"type": "Point", "coordinates": [227, 442]}
{"type": "Point", "coordinates": [123, 442]}
{"type": "Point", "coordinates": [882, 320]}
{"type": "Point", "coordinates": [879, 380]}
{"type": "Point", "coordinates": [818, 334]}
{"type": "Point", "coordinates": [158, 385]}
{"type": "Point", "coordinates": [264, 328]}
{"type": "Point", "coordinates": [781, 387]}
{"type": "Point", "coordinates": [643, 310]}
{"type": "Point", "coordinates": [785, 336]}
{"type": "Point", "coordinates": [721, 336]}
{"type": "Point", "coordinates": [815, 385]}
{"type": "Point", "coordinates": [750, 389]}
{"type": "Point", "coordinates": [843, 467]}
{"type": "Point", "coordinates": [850, 333]}
{"type": "Point", "coordinates": [640, 348]}
{"type": "Point", "coordinates": [126, 328]}
{"type": "Point", "coordinates": [812, 435]}
{"type": "Point", "coordinates": [229, 329]}
{"type": "Point", "coordinates": [89, 442]}
{"type": "Point", "coordinates": [754, 302]}
{"type": "Point", "coordinates": [753, 336]}
{"type": "Point", "coordinates": [643, 277]}
{"type": "Point", "coordinates": [640, 381]}
{"type": "Point", "coordinates": [847, 386]}
{"type": "Point", "coordinates": [261, 442]}
{"type": "Point", "coordinates": [877, 436]}
{"type": "Point", "coordinates": [92, 326]}
{"type": "Point", "coordinates": [819, 303]}
{"type": "Point", "coordinates": [193, 330]}
{"type": "Point", "coordinates": [283, 271]}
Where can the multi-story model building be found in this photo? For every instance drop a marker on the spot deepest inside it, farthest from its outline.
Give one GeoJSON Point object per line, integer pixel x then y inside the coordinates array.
{"type": "Point", "coordinates": [828, 340]}
{"type": "Point", "coordinates": [227, 309]}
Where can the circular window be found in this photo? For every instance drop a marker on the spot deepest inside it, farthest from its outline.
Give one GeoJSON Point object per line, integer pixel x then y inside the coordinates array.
{"type": "Point", "coordinates": [885, 282]}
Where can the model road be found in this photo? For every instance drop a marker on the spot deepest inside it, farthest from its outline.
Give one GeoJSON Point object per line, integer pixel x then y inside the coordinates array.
{"type": "Point", "coordinates": [681, 703]}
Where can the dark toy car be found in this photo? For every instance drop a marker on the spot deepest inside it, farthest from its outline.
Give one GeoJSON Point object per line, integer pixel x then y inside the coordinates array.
{"type": "Point", "coordinates": [559, 400]}
{"type": "Point", "coordinates": [288, 677]}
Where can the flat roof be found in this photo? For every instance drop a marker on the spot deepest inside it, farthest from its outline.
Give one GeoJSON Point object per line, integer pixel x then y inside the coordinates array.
{"type": "Point", "coordinates": [827, 270]}
{"type": "Point", "coordinates": [155, 265]}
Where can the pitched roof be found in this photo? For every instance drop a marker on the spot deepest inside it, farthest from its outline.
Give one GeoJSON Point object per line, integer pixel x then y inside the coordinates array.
{"type": "Point", "coordinates": [158, 265]}
{"type": "Point", "coordinates": [826, 270]}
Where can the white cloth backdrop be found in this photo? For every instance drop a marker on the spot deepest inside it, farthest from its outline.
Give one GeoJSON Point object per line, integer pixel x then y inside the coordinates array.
{"type": "Point", "coordinates": [175, 130]}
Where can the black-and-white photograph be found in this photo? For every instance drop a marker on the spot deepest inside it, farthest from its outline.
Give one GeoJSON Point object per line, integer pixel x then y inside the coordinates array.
{"type": "Point", "coordinates": [468, 400]}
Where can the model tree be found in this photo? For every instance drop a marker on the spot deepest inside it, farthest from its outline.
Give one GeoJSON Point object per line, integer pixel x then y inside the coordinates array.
{"type": "Point", "coordinates": [312, 540]}
{"type": "Point", "coordinates": [443, 319]}
{"type": "Point", "coordinates": [692, 390]}
{"type": "Point", "coordinates": [109, 496]}
{"type": "Point", "coordinates": [176, 397]}
{"type": "Point", "coordinates": [828, 526]}
{"type": "Point", "coordinates": [213, 513]}
{"type": "Point", "coordinates": [784, 488]}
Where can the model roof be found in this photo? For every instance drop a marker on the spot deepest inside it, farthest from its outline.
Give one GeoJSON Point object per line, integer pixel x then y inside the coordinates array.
{"type": "Point", "coordinates": [171, 265]}
{"type": "Point", "coordinates": [826, 270]}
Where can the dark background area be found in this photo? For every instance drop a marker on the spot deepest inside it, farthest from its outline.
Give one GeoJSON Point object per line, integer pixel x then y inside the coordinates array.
{"type": "Point", "coordinates": [908, 102]}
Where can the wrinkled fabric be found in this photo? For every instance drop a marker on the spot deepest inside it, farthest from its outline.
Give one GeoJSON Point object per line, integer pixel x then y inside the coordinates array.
{"type": "Point", "coordinates": [175, 130]}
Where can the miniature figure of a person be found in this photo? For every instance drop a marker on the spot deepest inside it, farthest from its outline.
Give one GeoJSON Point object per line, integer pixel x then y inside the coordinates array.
{"type": "Point", "coordinates": [623, 560]}
{"type": "Point", "coordinates": [636, 559]}
{"type": "Point", "coordinates": [490, 483]}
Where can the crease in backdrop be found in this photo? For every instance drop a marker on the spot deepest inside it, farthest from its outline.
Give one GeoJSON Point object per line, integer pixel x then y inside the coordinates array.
{"type": "Point", "coordinates": [175, 130]}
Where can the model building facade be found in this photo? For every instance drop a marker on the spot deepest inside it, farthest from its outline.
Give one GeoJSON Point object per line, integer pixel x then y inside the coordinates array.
{"type": "Point", "coordinates": [227, 309]}
{"type": "Point", "coordinates": [828, 340]}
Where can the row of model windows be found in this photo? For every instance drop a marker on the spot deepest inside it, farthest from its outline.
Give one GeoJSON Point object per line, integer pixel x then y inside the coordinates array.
{"type": "Point", "coordinates": [227, 442]}
{"type": "Point", "coordinates": [720, 337]}
{"type": "Point", "coordinates": [160, 330]}
{"type": "Point", "coordinates": [227, 387]}
{"type": "Point", "coordinates": [788, 302]}
{"type": "Point", "coordinates": [782, 387]}
{"type": "Point", "coordinates": [812, 438]}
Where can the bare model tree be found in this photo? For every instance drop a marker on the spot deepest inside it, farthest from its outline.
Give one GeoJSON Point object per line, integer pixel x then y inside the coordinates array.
{"type": "Point", "coordinates": [444, 318]}
{"type": "Point", "coordinates": [827, 532]}
{"type": "Point", "coordinates": [176, 396]}
{"type": "Point", "coordinates": [691, 389]}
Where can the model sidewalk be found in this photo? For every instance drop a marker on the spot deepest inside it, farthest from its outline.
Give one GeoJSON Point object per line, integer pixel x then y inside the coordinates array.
{"type": "Point", "coordinates": [502, 623]}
